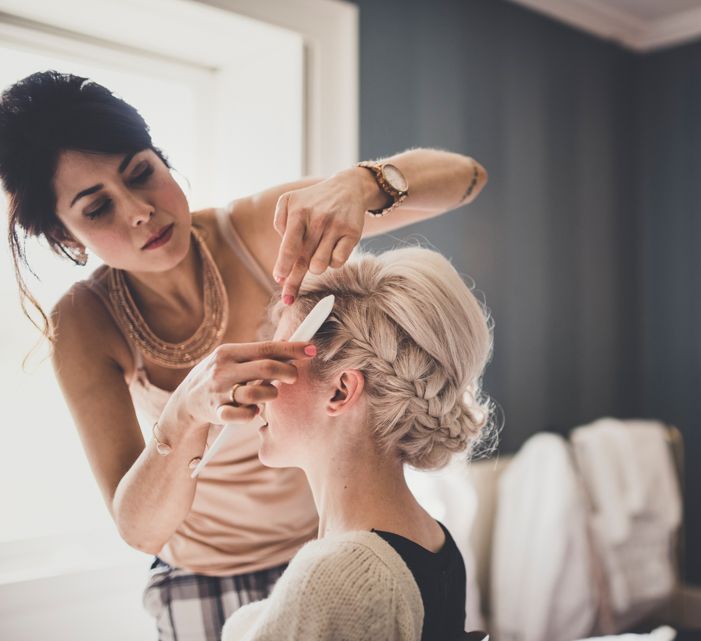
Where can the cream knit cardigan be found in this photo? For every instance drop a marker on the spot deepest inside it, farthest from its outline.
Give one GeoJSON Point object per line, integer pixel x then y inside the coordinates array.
{"type": "Point", "coordinates": [347, 587]}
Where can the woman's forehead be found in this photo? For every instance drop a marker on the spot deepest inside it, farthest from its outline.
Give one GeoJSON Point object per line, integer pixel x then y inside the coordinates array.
{"type": "Point", "coordinates": [71, 161]}
{"type": "Point", "coordinates": [74, 165]}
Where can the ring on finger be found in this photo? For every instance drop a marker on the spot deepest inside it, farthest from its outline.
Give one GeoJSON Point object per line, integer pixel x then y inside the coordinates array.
{"type": "Point", "coordinates": [232, 394]}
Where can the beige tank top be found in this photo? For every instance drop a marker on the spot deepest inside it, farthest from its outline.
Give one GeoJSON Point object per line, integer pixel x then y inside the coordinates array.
{"type": "Point", "coordinates": [244, 516]}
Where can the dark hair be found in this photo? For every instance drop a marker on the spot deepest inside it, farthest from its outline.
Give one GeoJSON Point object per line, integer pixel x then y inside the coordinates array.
{"type": "Point", "coordinates": [40, 116]}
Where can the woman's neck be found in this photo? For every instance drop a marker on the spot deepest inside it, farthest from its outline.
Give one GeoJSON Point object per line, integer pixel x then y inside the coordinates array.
{"type": "Point", "coordinates": [358, 488]}
{"type": "Point", "coordinates": [178, 289]}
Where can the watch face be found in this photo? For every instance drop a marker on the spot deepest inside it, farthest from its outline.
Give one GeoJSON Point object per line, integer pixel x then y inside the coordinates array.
{"type": "Point", "coordinates": [394, 177]}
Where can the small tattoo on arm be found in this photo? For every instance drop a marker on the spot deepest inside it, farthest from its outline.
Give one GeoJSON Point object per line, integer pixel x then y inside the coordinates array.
{"type": "Point", "coordinates": [471, 186]}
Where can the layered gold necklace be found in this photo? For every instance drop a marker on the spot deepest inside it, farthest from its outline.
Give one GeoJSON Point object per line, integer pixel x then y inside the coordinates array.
{"type": "Point", "coordinates": [207, 336]}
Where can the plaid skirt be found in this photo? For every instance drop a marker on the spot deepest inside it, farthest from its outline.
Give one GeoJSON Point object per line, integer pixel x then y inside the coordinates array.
{"type": "Point", "coordinates": [194, 607]}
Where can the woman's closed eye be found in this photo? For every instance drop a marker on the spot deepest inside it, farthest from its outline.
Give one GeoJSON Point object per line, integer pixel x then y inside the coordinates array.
{"type": "Point", "coordinates": [106, 204]}
{"type": "Point", "coordinates": [143, 176]}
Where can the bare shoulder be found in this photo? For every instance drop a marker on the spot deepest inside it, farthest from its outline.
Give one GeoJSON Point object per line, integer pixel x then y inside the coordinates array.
{"type": "Point", "coordinates": [84, 329]}
{"type": "Point", "coordinates": [206, 221]}
{"type": "Point", "coordinates": [253, 216]}
{"type": "Point", "coordinates": [90, 357]}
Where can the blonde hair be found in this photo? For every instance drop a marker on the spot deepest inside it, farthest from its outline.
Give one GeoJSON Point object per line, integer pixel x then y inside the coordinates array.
{"type": "Point", "coordinates": [408, 322]}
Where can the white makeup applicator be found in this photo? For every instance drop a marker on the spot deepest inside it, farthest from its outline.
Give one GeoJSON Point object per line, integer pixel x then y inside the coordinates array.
{"type": "Point", "coordinates": [305, 332]}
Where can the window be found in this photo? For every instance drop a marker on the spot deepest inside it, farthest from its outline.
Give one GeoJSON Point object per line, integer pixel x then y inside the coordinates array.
{"type": "Point", "coordinates": [236, 107]}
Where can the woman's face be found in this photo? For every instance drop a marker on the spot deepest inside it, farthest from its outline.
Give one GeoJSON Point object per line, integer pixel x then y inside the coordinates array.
{"type": "Point", "coordinates": [297, 416]}
{"type": "Point", "coordinates": [125, 208]}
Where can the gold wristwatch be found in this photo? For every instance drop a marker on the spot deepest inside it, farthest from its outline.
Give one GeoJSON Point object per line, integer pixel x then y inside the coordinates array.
{"type": "Point", "coordinates": [390, 180]}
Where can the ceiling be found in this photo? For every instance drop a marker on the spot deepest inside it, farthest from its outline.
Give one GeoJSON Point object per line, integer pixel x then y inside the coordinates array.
{"type": "Point", "coordinates": [640, 25]}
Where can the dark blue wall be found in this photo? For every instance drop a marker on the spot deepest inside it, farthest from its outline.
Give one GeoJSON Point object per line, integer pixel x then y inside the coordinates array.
{"type": "Point", "coordinates": [669, 207]}
{"type": "Point", "coordinates": [583, 241]}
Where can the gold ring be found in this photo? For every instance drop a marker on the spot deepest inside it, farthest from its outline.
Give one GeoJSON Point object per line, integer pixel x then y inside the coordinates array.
{"type": "Point", "coordinates": [232, 395]}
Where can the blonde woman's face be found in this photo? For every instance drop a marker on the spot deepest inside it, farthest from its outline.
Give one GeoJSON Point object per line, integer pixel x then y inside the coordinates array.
{"type": "Point", "coordinates": [115, 204]}
{"type": "Point", "coordinates": [296, 418]}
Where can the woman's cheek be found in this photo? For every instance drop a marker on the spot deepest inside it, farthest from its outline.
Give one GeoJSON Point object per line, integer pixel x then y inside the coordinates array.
{"type": "Point", "coordinates": [279, 439]}
{"type": "Point", "coordinates": [278, 409]}
{"type": "Point", "coordinates": [111, 246]}
{"type": "Point", "coordinates": [291, 410]}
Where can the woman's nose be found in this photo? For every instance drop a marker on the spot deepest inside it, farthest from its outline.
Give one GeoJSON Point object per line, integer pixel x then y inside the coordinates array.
{"type": "Point", "coordinates": [140, 211]}
{"type": "Point", "coordinates": [142, 215]}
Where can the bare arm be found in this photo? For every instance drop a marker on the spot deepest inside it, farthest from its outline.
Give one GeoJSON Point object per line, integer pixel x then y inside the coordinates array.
{"type": "Point", "coordinates": [148, 495]}
{"type": "Point", "coordinates": [439, 181]}
{"type": "Point", "coordinates": [322, 220]}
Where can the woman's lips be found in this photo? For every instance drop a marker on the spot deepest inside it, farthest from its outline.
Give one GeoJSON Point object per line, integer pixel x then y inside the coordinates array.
{"type": "Point", "coordinates": [161, 238]}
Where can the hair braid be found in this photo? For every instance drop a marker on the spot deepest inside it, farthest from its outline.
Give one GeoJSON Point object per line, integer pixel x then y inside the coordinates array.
{"type": "Point", "coordinates": [409, 323]}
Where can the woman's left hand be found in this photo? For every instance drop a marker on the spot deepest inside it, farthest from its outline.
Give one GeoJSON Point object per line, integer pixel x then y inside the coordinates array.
{"type": "Point", "coordinates": [320, 225]}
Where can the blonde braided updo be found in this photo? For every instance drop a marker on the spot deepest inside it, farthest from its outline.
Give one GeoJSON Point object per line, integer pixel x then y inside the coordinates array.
{"type": "Point", "coordinates": [408, 322]}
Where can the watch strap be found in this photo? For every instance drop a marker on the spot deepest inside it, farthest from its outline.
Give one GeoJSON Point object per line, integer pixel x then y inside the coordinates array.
{"type": "Point", "coordinates": [396, 195]}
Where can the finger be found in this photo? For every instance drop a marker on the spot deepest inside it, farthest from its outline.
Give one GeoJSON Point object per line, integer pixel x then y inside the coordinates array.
{"type": "Point", "coordinates": [255, 394]}
{"type": "Point", "coordinates": [277, 350]}
{"type": "Point", "coordinates": [265, 370]}
{"type": "Point", "coordinates": [293, 281]}
{"type": "Point", "coordinates": [231, 414]}
{"type": "Point", "coordinates": [280, 217]}
{"type": "Point", "coordinates": [322, 256]}
{"type": "Point", "coordinates": [290, 248]}
{"type": "Point", "coordinates": [342, 251]}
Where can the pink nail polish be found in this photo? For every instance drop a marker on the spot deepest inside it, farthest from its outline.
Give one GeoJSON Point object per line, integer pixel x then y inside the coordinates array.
{"type": "Point", "coordinates": [310, 350]}
{"type": "Point", "coordinates": [279, 279]}
{"type": "Point", "coordinates": [288, 299]}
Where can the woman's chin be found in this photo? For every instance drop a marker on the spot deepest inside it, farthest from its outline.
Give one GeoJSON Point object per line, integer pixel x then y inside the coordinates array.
{"type": "Point", "coordinates": [266, 452]}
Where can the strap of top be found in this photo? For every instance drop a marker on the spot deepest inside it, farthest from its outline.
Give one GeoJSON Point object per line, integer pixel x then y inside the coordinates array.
{"type": "Point", "coordinates": [232, 237]}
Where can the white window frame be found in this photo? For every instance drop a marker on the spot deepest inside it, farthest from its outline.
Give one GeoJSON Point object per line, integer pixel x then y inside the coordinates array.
{"type": "Point", "coordinates": [200, 34]}
{"type": "Point", "coordinates": [203, 32]}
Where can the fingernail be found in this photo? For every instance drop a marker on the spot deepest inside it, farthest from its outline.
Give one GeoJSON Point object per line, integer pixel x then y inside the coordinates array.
{"type": "Point", "coordinates": [310, 350]}
{"type": "Point", "coordinates": [288, 299]}
{"type": "Point", "coordinates": [279, 279]}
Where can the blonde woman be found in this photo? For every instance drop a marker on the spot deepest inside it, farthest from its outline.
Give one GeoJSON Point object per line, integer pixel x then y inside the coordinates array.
{"type": "Point", "coordinates": [396, 381]}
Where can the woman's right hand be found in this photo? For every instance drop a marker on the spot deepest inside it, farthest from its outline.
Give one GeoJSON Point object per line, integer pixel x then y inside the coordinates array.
{"type": "Point", "coordinates": [204, 396]}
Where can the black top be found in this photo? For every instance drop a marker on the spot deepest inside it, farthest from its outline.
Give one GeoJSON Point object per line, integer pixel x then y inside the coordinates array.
{"type": "Point", "coordinates": [441, 580]}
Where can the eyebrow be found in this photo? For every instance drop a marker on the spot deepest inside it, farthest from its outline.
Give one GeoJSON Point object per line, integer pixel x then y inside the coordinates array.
{"type": "Point", "coordinates": [91, 190]}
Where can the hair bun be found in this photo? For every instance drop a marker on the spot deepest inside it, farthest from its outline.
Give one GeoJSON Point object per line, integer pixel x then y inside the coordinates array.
{"type": "Point", "coordinates": [449, 424]}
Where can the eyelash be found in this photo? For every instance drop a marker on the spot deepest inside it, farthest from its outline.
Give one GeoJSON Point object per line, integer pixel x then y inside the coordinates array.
{"type": "Point", "coordinates": [141, 178]}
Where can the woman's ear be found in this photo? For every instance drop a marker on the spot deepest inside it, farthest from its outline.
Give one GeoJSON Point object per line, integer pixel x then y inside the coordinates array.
{"type": "Point", "coordinates": [62, 241]}
{"type": "Point", "coordinates": [348, 389]}
{"type": "Point", "coordinates": [59, 234]}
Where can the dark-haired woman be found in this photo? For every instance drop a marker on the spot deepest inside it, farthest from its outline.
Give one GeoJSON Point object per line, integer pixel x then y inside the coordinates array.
{"type": "Point", "coordinates": [168, 325]}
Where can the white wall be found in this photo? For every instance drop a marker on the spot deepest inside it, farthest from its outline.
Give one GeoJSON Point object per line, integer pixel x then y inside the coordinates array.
{"type": "Point", "coordinates": [100, 604]}
{"type": "Point", "coordinates": [71, 582]}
